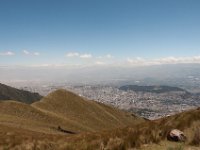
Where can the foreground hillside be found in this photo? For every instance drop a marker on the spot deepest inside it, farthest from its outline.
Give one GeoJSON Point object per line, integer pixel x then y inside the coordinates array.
{"type": "Point", "coordinates": [63, 120]}
{"type": "Point", "coordinates": [150, 135]}
{"type": "Point", "coordinates": [10, 93]}
{"type": "Point", "coordinates": [86, 115]}
{"type": "Point", "coordinates": [65, 110]}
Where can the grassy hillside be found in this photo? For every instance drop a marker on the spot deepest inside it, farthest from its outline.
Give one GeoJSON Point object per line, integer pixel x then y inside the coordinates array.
{"type": "Point", "coordinates": [24, 126]}
{"type": "Point", "coordinates": [90, 115]}
{"type": "Point", "coordinates": [22, 115]}
{"type": "Point", "coordinates": [64, 109]}
{"type": "Point", "coordinates": [10, 93]}
{"type": "Point", "coordinates": [148, 135]}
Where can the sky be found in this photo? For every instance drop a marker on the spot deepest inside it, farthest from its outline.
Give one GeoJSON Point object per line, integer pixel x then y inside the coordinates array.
{"type": "Point", "coordinates": [99, 32]}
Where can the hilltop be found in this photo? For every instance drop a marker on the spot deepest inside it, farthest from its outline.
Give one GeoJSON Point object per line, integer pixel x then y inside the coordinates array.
{"type": "Point", "coordinates": [90, 115]}
{"type": "Point", "coordinates": [10, 93]}
{"type": "Point", "coordinates": [67, 110]}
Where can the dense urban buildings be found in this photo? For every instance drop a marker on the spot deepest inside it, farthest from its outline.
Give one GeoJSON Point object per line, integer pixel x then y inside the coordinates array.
{"type": "Point", "coordinates": [150, 105]}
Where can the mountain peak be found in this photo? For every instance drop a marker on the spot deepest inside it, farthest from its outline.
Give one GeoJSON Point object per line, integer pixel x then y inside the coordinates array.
{"type": "Point", "coordinates": [90, 114]}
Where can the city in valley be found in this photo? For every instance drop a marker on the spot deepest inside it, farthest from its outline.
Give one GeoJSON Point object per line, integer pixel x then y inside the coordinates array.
{"type": "Point", "coordinates": [148, 104]}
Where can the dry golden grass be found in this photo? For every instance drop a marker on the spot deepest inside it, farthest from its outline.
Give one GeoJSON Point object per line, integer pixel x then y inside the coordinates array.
{"type": "Point", "coordinates": [149, 135]}
{"type": "Point", "coordinates": [89, 115]}
{"type": "Point", "coordinates": [65, 109]}
{"type": "Point", "coordinates": [25, 116]}
{"type": "Point", "coordinates": [29, 127]}
{"type": "Point", "coordinates": [24, 126]}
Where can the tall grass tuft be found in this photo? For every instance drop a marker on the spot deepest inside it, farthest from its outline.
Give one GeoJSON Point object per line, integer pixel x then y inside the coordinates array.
{"type": "Point", "coordinates": [196, 138]}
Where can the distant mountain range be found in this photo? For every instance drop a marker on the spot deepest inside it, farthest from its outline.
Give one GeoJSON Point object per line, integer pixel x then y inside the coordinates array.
{"type": "Point", "coordinates": [152, 89]}
{"type": "Point", "coordinates": [181, 75]}
{"type": "Point", "coordinates": [10, 93]}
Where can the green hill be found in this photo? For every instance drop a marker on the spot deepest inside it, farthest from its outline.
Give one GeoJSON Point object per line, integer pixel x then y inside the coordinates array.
{"type": "Point", "coordinates": [10, 93]}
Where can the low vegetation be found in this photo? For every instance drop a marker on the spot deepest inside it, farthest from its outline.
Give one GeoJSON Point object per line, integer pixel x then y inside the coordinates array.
{"type": "Point", "coordinates": [196, 137]}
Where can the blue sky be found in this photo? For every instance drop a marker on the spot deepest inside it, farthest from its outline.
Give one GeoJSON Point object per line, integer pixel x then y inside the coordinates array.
{"type": "Point", "coordinates": [42, 32]}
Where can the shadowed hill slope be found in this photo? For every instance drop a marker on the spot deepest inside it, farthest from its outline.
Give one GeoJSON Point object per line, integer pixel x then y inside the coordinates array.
{"type": "Point", "coordinates": [10, 93]}
{"type": "Point", "coordinates": [90, 115]}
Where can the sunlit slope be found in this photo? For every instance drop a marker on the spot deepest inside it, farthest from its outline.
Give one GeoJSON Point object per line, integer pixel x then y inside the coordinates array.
{"type": "Point", "coordinates": [90, 115]}
{"type": "Point", "coordinates": [22, 125]}
{"type": "Point", "coordinates": [187, 121]}
{"type": "Point", "coordinates": [145, 136]}
{"type": "Point", "coordinates": [22, 115]}
{"type": "Point", "coordinates": [149, 135]}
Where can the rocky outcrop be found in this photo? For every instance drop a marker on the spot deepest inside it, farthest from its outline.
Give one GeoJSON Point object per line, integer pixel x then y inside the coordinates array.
{"type": "Point", "coordinates": [176, 136]}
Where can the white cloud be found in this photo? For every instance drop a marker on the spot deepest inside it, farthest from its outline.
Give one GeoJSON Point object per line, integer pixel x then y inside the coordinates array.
{"type": "Point", "coordinates": [164, 60]}
{"type": "Point", "coordinates": [36, 53]}
{"type": "Point", "coordinates": [58, 65]}
{"type": "Point", "coordinates": [86, 56]}
{"type": "Point", "coordinates": [109, 56]}
{"type": "Point", "coordinates": [100, 63]}
{"type": "Point", "coordinates": [8, 53]}
{"type": "Point", "coordinates": [99, 57]}
{"type": "Point", "coordinates": [26, 52]}
{"type": "Point", "coordinates": [76, 54]}
{"type": "Point", "coordinates": [137, 60]}
{"type": "Point", "coordinates": [72, 54]}
{"type": "Point", "coordinates": [42, 65]}
{"type": "Point", "coordinates": [129, 60]}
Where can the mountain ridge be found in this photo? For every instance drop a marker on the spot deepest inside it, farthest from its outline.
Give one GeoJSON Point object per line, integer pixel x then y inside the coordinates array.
{"type": "Point", "coordinates": [11, 93]}
{"type": "Point", "coordinates": [90, 113]}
